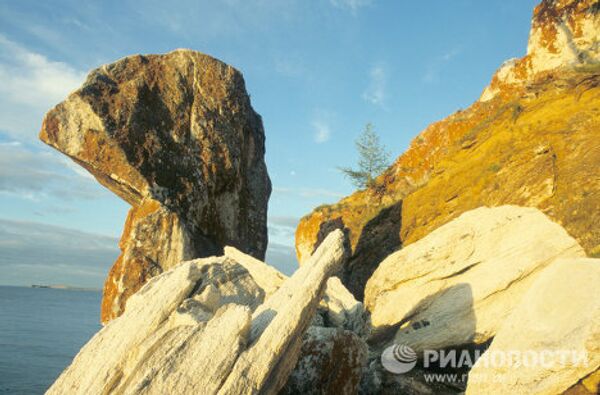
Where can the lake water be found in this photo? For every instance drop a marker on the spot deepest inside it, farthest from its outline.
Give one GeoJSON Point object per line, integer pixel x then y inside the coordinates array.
{"type": "Point", "coordinates": [41, 330]}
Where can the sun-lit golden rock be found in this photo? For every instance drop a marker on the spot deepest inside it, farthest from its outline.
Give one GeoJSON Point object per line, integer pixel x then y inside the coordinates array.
{"type": "Point", "coordinates": [531, 142]}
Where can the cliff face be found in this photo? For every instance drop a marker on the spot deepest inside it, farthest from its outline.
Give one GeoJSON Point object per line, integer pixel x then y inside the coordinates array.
{"type": "Point", "coordinates": [176, 137]}
{"type": "Point", "coordinates": [530, 140]}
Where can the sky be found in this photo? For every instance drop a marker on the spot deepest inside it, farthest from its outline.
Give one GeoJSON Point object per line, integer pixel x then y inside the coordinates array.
{"type": "Point", "coordinates": [316, 70]}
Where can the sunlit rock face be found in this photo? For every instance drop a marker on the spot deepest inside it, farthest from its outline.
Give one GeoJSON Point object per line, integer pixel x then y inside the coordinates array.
{"type": "Point", "coordinates": [564, 34]}
{"type": "Point", "coordinates": [531, 140]}
{"type": "Point", "coordinates": [553, 325]}
{"type": "Point", "coordinates": [176, 137]}
{"type": "Point", "coordinates": [222, 325]}
{"type": "Point", "coordinates": [458, 284]}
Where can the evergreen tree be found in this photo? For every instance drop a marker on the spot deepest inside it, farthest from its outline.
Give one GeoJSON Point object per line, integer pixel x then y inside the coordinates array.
{"type": "Point", "coordinates": [373, 159]}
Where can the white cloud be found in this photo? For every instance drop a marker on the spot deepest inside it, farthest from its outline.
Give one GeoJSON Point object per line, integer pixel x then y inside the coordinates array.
{"type": "Point", "coordinates": [284, 221]}
{"type": "Point", "coordinates": [435, 66]}
{"type": "Point", "coordinates": [31, 85]}
{"type": "Point", "coordinates": [37, 253]}
{"type": "Point", "coordinates": [281, 252]}
{"type": "Point", "coordinates": [352, 5]}
{"type": "Point", "coordinates": [376, 90]}
{"type": "Point", "coordinates": [322, 131]}
{"type": "Point", "coordinates": [282, 229]}
{"type": "Point", "coordinates": [35, 175]}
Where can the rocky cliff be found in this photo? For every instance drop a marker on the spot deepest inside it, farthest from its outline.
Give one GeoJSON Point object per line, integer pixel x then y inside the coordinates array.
{"type": "Point", "coordinates": [176, 137]}
{"type": "Point", "coordinates": [531, 140]}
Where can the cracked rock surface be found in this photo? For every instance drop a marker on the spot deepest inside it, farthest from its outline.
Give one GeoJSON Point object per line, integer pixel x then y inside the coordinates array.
{"type": "Point", "coordinates": [176, 137]}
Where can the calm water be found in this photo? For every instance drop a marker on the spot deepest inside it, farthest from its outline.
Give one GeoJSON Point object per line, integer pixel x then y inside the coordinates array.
{"type": "Point", "coordinates": [41, 330]}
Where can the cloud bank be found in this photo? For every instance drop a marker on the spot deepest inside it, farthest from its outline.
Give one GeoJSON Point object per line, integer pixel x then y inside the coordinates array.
{"type": "Point", "coordinates": [31, 84]}
{"type": "Point", "coordinates": [32, 252]}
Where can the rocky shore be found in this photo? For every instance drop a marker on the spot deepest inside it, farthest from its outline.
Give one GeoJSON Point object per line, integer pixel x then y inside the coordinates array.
{"type": "Point", "coordinates": [472, 257]}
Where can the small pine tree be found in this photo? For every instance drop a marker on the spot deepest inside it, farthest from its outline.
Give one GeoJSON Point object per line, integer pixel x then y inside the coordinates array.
{"type": "Point", "coordinates": [373, 159]}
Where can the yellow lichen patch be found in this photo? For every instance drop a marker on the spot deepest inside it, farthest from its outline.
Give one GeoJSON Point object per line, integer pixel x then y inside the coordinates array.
{"type": "Point", "coordinates": [544, 158]}
{"type": "Point", "coordinates": [538, 147]}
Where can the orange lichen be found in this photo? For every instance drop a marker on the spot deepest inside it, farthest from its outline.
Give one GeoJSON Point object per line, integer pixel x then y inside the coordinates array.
{"type": "Point", "coordinates": [537, 147]}
{"type": "Point", "coordinates": [176, 137]}
{"type": "Point", "coordinates": [484, 154]}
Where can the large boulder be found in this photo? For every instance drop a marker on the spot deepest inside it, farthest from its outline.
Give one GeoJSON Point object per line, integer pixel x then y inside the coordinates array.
{"type": "Point", "coordinates": [457, 285]}
{"type": "Point", "coordinates": [553, 336]}
{"type": "Point", "coordinates": [331, 362]}
{"type": "Point", "coordinates": [203, 326]}
{"type": "Point", "coordinates": [530, 141]}
{"type": "Point", "coordinates": [176, 137]}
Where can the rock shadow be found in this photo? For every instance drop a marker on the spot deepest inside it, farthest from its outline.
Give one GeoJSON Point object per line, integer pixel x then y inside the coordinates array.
{"type": "Point", "coordinates": [378, 239]}
{"type": "Point", "coordinates": [441, 329]}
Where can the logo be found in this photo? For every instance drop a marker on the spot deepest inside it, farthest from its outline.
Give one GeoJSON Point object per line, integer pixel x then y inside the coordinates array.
{"type": "Point", "coordinates": [398, 358]}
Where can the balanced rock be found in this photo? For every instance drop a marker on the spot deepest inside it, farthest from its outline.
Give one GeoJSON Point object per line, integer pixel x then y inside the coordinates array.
{"type": "Point", "coordinates": [553, 336]}
{"type": "Point", "coordinates": [458, 284]}
{"type": "Point", "coordinates": [531, 140]}
{"type": "Point", "coordinates": [176, 137]}
{"type": "Point", "coordinates": [195, 328]}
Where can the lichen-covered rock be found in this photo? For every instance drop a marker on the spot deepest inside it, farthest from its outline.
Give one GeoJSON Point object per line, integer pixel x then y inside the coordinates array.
{"type": "Point", "coordinates": [532, 143]}
{"type": "Point", "coordinates": [564, 33]}
{"type": "Point", "coordinates": [458, 284]}
{"type": "Point", "coordinates": [553, 336]}
{"type": "Point", "coordinates": [176, 137]}
{"type": "Point", "coordinates": [203, 327]}
{"type": "Point", "coordinates": [331, 362]}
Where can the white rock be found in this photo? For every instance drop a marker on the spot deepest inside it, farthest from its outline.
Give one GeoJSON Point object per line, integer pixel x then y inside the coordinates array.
{"type": "Point", "coordinates": [561, 312]}
{"type": "Point", "coordinates": [459, 283]}
{"type": "Point", "coordinates": [266, 276]}
{"type": "Point", "coordinates": [158, 317]}
{"type": "Point", "coordinates": [279, 323]}
{"type": "Point", "coordinates": [199, 360]}
{"type": "Point", "coordinates": [339, 305]}
{"type": "Point", "coordinates": [342, 310]}
{"type": "Point", "coordinates": [188, 331]}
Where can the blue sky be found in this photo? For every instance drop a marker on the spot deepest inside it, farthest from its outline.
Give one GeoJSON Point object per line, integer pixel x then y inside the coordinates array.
{"type": "Point", "coordinates": [317, 71]}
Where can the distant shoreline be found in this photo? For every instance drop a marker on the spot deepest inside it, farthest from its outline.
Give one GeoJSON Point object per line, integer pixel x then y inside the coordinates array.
{"type": "Point", "coordinates": [64, 287]}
